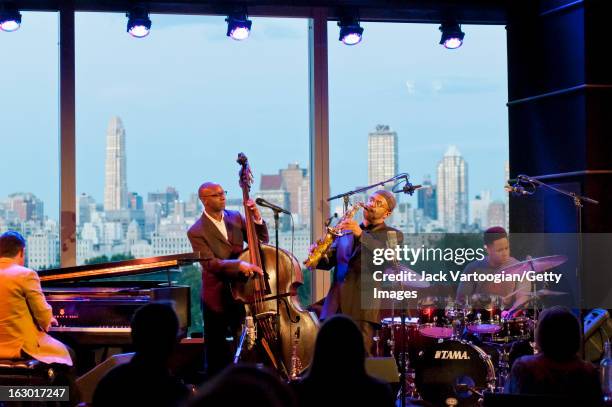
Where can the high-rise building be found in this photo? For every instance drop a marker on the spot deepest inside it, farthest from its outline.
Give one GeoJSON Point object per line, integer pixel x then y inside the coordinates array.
{"type": "Point", "coordinates": [496, 214]}
{"type": "Point", "coordinates": [42, 249]}
{"type": "Point", "coordinates": [86, 205]}
{"type": "Point", "coordinates": [152, 212]}
{"type": "Point", "coordinates": [304, 200]}
{"type": "Point", "coordinates": [479, 208]}
{"type": "Point", "coordinates": [426, 197]}
{"type": "Point", "coordinates": [271, 189]}
{"type": "Point", "coordinates": [295, 180]}
{"type": "Point", "coordinates": [382, 154]}
{"type": "Point", "coordinates": [135, 201]}
{"type": "Point", "coordinates": [453, 191]}
{"type": "Point", "coordinates": [193, 207]}
{"type": "Point", "coordinates": [166, 199]}
{"type": "Point", "coordinates": [115, 184]}
{"type": "Point", "coordinates": [26, 207]}
{"type": "Point", "coordinates": [402, 219]}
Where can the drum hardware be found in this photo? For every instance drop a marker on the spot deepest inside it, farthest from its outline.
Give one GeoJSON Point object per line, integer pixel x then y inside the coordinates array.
{"type": "Point", "coordinates": [465, 369]}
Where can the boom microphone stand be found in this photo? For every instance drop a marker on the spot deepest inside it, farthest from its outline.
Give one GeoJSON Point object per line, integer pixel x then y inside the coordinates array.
{"type": "Point", "coordinates": [346, 195]}
{"type": "Point", "coordinates": [578, 201]}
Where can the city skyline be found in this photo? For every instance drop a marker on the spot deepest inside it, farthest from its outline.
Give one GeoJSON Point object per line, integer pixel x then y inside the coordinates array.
{"type": "Point", "coordinates": [179, 128]}
{"type": "Point", "coordinates": [158, 226]}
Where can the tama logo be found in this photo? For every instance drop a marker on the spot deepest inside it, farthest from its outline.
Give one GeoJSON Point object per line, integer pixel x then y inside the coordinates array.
{"type": "Point", "coordinates": [454, 354]}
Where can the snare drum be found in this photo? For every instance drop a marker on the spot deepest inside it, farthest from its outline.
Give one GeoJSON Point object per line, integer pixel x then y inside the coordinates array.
{"type": "Point", "coordinates": [485, 315]}
{"type": "Point", "coordinates": [433, 319]}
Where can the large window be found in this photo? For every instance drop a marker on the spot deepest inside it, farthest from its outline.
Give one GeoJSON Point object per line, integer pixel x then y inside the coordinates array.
{"type": "Point", "coordinates": [158, 116]}
{"type": "Point", "coordinates": [29, 190]}
{"type": "Point", "coordinates": [400, 102]}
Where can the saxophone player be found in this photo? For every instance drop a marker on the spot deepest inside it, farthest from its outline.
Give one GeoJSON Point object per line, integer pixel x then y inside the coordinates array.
{"type": "Point", "coordinates": [344, 296]}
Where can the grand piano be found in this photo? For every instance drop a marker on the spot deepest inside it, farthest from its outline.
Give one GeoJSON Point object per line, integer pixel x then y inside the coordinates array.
{"type": "Point", "coordinates": [95, 312]}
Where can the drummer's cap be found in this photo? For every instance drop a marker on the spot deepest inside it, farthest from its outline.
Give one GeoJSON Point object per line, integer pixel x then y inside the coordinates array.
{"type": "Point", "coordinates": [494, 233]}
{"type": "Point", "coordinates": [389, 198]}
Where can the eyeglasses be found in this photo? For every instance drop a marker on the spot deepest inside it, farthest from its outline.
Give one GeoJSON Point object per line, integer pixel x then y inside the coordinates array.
{"type": "Point", "coordinates": [219, 195]}
{"type": "Point", "coordinates": [376, 203]}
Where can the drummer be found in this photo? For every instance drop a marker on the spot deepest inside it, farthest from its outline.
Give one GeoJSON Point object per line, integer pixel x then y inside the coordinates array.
{"type": "Point", "coordinates": [513, 294]}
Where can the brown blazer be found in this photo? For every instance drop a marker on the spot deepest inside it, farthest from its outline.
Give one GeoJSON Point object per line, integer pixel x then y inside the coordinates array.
{"type": "Point", "coordinates": [25, 316]}
{"type": "Point", "coordinates": [213, 247]}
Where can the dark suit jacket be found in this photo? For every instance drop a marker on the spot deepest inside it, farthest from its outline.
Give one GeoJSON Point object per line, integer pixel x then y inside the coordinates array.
{"type": "Point", "coordinates": [346, 256]}
{"type": "Point", "coordinates": [213, 247]}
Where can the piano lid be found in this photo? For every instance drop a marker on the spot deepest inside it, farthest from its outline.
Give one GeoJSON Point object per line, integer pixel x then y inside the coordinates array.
{"type": "Point", "coordinates": [118, 268]}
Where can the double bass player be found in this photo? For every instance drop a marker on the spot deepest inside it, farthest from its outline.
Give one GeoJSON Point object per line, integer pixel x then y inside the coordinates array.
{"type": "Point", "coordinates": [219, 235]}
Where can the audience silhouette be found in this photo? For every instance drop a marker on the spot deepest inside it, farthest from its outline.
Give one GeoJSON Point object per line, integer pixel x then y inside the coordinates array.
{"type": "Point", "coordinates": [557, 370]}
{"type": "Point", "coordinates": [244, 385]}
{"type": "Point", "coordinates": [337, 376]}
{"type": "Point", "coordinates": [146, 379]}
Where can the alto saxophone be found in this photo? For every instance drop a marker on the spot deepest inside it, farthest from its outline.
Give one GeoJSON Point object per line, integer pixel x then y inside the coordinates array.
{"type": "Point", "coordinates": [321, 248]}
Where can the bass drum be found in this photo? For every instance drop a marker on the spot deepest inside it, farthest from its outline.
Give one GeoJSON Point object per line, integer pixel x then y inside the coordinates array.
{"type": "Point", "coordinates": [447, 372]}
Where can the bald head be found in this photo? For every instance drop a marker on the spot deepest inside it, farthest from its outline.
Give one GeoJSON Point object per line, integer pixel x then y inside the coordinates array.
{"type": "Point", "coordinates": [207, 188]}
{"type": "Point", "coordinates": [212, 196]}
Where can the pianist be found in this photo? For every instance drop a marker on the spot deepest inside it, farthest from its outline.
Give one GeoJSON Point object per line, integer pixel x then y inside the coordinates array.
{"type": "Point", "coordinates": [25, 315]}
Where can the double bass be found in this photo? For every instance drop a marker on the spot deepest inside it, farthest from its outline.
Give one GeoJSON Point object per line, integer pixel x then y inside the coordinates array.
{"type": "Point", "coordinates": [285, 331]}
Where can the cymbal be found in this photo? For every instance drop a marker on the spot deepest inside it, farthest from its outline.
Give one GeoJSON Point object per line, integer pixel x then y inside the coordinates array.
{"type": "Point", "coordinates": [537, 264]}
{"type": "Point", "coordinates": [414, 276]}
{"type": "Point", "coordinates": [545, 292]}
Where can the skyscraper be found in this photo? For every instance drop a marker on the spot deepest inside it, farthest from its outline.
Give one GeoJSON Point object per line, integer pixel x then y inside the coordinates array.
{"type": "Point", "coordinates": [426, 197]}
{"type": "Point", "coordinates": [452, 191]}
{"type": "Point", "coordinates": [382, 154]}
{"type": "Point", "coordinates": [479, 209]}
{"type": "Point", "coordinates": [26, 206]}
{"type": "Point", "coordinates": [271, 189]}
{"type": "Point", "coordinates": [295, 180]}
{"type": "Point", "coordinates": [166, 199]}
{"type": "Point", "coordinates": [115, 184]}
{"type": "Point", "coordinates": [496, 214]}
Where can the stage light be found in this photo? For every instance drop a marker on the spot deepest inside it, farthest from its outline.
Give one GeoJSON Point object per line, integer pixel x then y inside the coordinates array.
{"type": "Point", "coordinates": [350, 30]}
{"type": "Point", "coordinates": [238, 26]}
{"type": "Point", "coordinates": [10, 18]}
{"type": "Point", "coordinates": [452, 36]}
{"type": "Point", "coordinates": [139, 24]}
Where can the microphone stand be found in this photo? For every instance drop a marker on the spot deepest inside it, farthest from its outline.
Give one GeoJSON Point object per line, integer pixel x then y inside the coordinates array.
{"type": "Point", "coordinates": [346, 195]}
{"type": "Point", "coordinates": [578, 200]}
{"type": "Point", "coordinates": [276, 222]}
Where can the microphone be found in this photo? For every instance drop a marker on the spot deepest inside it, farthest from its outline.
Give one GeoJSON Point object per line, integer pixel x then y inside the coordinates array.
{"type": "Point", "coordinates": [517, 190]}
{"type": "Point", "coordinates": [275, 208]}
{"type": "Point", "coordinates": [409, 188]}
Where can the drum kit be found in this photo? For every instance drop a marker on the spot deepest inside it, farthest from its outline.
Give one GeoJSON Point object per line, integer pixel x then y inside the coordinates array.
{"type": "Point", "coordinates": [452, 352]}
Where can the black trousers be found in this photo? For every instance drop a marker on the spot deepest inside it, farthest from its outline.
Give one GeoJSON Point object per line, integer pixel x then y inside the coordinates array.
{"type": "Point", "coordinates": [221, 330]}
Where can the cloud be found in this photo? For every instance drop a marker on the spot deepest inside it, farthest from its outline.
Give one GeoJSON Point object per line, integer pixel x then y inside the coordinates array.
{"type": "Point", "coordinates": [437, 86]}
{"type": "Point", "coordinates": [411, 87]}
